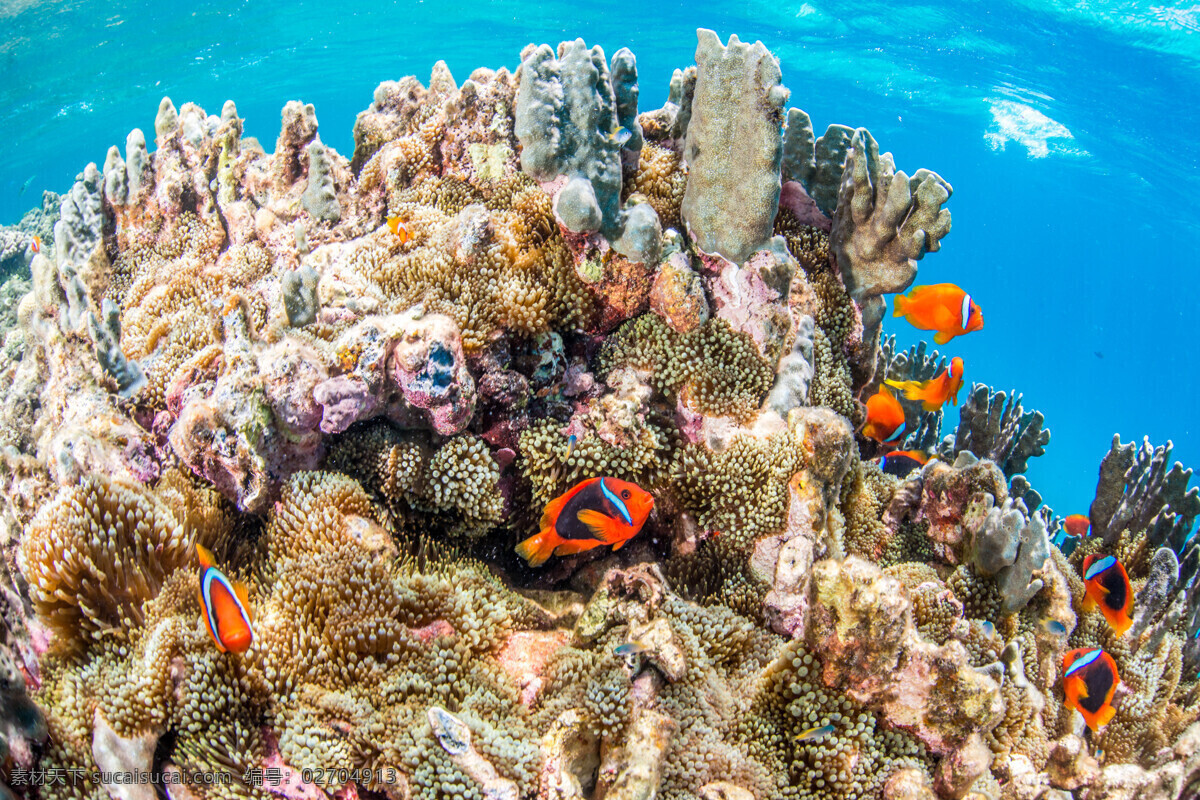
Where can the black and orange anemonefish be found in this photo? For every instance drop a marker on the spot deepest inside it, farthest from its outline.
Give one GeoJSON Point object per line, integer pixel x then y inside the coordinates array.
{"type": "Point", "coordinates": [1090, 680]}
{"type": "Point", "coordinates": [224, 606]}
{"type": "Point", "coordinates": [593, 513]}
{"type": "Point", "coordinates": [1108, 587]}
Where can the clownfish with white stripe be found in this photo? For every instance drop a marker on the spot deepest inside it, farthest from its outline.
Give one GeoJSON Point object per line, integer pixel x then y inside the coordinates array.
{"type": "Point", "coordinates": [1108, 587]}
{"type": "Point", "coordinates": [1090, 681]}
{"type": "Point", "coordinates": [941, 307]}
{"type": "Point", "coordinates": [885, 419]}
{"type": "Point", "coordinates": [224, 606]}
{"type": "Point", "coordinates": [593, 513]}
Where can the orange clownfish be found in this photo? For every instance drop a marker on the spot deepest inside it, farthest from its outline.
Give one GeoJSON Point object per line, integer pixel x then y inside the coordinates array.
{"type": "Point", "coordinates": [941, 307]}
{"type": "Point", "coordinates": [1108, 587]}
{"type": "Point", "coordinates": [885, 418]}
{"type": "Point", "coordinates": [396, 225]}
{"type": "Point", "coordinates": [224, 606]}
{"type": "Point", "coordinates": [1089, 681]}
{"type": "Point", "coordinates": [1077, 525]}
{"type": "Point", "coordinates": [934, 392]}
{"type": "Point", "coordinates": [593, 513]}
{"type": "Point", "coordinates": [36, 245]}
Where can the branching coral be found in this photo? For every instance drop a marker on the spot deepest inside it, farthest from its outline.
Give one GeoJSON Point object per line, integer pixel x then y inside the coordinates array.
{"type": "Point", "coordinates": [1137, 491]}
{"type": "Point", "coordinates": [884, 223]}
{"type": "Point", "coordinates": [574, 118]}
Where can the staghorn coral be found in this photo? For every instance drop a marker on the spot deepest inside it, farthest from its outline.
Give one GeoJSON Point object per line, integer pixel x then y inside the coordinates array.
{"type": "Point", "coordinates": [568, 116]}
{"type": "Point", "coordinates": [816, 165]}
{"type": "Point", "coordinates": [1011, 545]}
{"type": "Point", "coordinates": [1152, 496]}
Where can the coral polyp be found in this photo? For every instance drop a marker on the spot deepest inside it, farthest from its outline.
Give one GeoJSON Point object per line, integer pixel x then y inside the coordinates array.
{"type": "Point", "coordinates": [358, 381]}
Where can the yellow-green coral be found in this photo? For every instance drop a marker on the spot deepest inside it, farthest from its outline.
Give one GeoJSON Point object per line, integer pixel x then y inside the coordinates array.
{"type": "Point", "coordinates": [95, 554]}
{"type": "Point", "coordinates": [866, 495]}
{"type": "Point", "coordinates": [456, 484]}
{"type": "Point", "coordinates": [713, 369]}
{"type": "Point", "coordinates": [740, 491]}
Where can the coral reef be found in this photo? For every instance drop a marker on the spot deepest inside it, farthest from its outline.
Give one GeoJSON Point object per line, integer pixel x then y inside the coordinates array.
{"type": "Point", "coordinates": [734, 147]}
{"type": "Point", "coordinates": [883, 224]}
{"type": "Point", "coordinates": [358, 381]}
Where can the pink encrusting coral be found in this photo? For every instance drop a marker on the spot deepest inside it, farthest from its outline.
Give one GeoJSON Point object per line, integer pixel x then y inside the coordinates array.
{"type": "Point", "coordinates": [358, 382]}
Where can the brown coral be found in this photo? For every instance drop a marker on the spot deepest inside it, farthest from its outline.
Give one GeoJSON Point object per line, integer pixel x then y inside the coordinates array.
{"type": "Point", "coordinates": [97, 553]}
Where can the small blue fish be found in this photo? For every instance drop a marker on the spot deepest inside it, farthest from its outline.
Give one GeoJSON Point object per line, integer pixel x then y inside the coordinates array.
{"type": "Point", "coordinates": [813, 734]}
{"type": "Point", "coordinates": [571, 444]}
{"type": "Point", "coordinates": [28, 182]}
{"type": "Point", "coordinates": [989, 630]}
{"type": "Point", "coordinates": [630, 649]}
{"type": "Point", "coordinates": [1053, 626]}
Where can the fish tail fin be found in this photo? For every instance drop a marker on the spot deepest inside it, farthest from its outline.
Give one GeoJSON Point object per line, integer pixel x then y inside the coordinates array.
{"type": "Point", "coordinates": [899, 306]}
{"type": "Point", "coordinates": [1120, 622]}
{"type": "Point", "coordinates": [1104, 715]}
{"type": "Point", "coordinates": [539, 547]}
{"type": "Point", "coordinates": [942, 337]}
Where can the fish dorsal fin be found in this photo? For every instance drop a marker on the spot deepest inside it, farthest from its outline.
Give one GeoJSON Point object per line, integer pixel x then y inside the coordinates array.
{"type": "Point", "coordinates": [243, 594]}
{"type": "Point", "coordinates": [205, 556]}
{"type": "Point", "coordinates": [555, 506]}
{"type": "Point", "coordinates": [599, 523]}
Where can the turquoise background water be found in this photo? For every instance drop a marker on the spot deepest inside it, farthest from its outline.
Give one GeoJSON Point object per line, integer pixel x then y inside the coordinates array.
{"type": "Point", "coordinates": [1068, 130]}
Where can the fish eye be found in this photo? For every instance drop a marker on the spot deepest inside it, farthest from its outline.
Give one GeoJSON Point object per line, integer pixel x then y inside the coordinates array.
{"type": "Point", "coordinates": [626, 494]}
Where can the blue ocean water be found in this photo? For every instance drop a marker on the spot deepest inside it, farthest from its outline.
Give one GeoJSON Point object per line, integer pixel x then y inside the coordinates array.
{"type": "Point", "coordinates": [1068, 129]}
